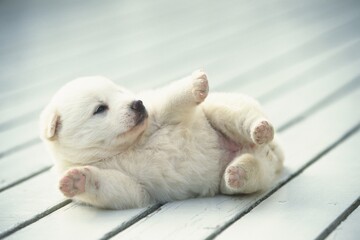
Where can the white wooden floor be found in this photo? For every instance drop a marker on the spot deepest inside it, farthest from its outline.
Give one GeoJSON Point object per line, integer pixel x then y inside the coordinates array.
{"type": "Point", "coordinates": [301, 59]}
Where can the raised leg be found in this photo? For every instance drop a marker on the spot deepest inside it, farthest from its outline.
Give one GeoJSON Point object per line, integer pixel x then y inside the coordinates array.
{"type": "Point", "coordinates": [103, 188]}
{"type": "Point", "coordinates": [239, 117]}
{"type": "Point", "coordinates": [179, 99]}
{"type": "Point", "coordinates": [249, 173]}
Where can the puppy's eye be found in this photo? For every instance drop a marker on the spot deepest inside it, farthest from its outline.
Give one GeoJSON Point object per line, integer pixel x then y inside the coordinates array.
{"type": "Point", "coordinates": [100, 109]}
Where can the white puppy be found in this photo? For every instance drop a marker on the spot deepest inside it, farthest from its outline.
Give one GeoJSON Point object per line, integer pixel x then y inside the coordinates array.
{"type": "Point", "coordinates": [116, 151]}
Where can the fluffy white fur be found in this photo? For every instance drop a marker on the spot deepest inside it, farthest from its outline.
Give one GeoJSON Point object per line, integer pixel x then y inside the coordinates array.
{"type": "Point", "coordinates": [181, 144]}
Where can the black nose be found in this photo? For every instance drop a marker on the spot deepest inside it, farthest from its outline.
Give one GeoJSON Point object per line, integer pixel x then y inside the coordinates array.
{"type": "Point", "coordinates": [138, 106]}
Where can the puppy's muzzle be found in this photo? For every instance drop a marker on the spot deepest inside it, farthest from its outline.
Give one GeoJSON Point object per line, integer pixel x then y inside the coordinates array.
{"type": "Point", "coordinates": [138, 106]}
{"type": "Point", "coordinates": [140, 110]}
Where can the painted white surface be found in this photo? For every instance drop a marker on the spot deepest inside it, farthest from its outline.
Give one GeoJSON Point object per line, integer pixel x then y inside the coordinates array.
{"type": "Point", "coordinates": [18, 135]}
{"type": "Point", "coordinates": [348, 229]}
{"type": "Point", "coordinates": [23, 163]}
{"type": "Point", "coordinates": [77, 222]}
{"type": "Point", "coordinates": [28, 199]}
{"type": "Point", "coordinates": [314, 92]}
{"type": "Point", "coordinates": [329, 123]}
{"type": "Point", "coordinates": [308, 204]}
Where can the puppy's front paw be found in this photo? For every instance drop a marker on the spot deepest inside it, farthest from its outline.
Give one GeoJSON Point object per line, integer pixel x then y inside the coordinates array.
{"type": "Point", "coordinates": [200, 88]}
{"type": "Point", "coordinates": [262, 132]}
{"type": "Point", "coordinates": [73, 182]}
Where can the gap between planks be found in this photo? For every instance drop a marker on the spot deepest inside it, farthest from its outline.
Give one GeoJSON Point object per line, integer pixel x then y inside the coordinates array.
{"type": "Point", "coordinates": [34, 219]}
{"type": "Point", "coordinates": [343, 216]}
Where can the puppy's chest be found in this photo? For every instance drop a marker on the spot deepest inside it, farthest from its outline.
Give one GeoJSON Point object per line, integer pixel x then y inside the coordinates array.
{"type": "Point", "coordinates": [174, 146]}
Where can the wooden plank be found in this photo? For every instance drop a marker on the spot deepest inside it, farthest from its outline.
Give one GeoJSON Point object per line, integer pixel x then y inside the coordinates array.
{"type": "Point", "coordinates": [156, 33]}
{"type": "Point", "coordinates": [219, 47]}
{"type": "Point", "coordinates": [197, 218]}
{"type": "Point", "coordinates": [23, 164]}
{"type": "Point", "coordinates": [304, 207]}
{"type": "Point", "coordinates": [212, 214]}
{"type": "Point", "coordinates": [70, 18]}
{"type": "Point", "coordinates": [80, 222]}
{"type": "Point", "coordinates": [37, 204]}
{"type": "Point", "coordinates": [82, 40]}
{"type": "Point", "coordinates": [308, 70]}
{"type": "Point", "coordinates": [335, 37]}
{"type": "Point", "coordinates": [57, 74]}
{"type": "Point", "coordinates": [249, 88]}
{"type": "Point", "coordinates": [7, 115]}
{"type": "Point", "coordinates": [246, 43]}
{"type": "Point", "coordinates": [18, 136]}
{"type": "Point", "coordinates": [348, 229]}
{"type": "Point", "coordinates": [162, 75]}
{"type": "Point", "coordinates": [24, 203]}
{"type": "Point", "coordinates": [315, 92]}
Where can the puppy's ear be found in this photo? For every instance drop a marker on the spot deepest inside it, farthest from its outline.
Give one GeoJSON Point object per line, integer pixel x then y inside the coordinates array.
{"type": "Point", "coordinates": [49, 124]}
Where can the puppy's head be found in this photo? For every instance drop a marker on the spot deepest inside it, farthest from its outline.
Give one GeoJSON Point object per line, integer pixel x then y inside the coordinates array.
{"type": "Point", "coordinates": [92, 117]}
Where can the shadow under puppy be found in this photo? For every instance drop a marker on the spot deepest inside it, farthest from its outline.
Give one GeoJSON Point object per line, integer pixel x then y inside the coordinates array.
{"type": "Point", "coordinates": [113, 150]}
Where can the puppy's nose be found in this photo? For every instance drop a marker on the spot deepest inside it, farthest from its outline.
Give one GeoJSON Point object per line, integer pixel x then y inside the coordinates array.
{"type": "Point", "coordinates": [138, 106]}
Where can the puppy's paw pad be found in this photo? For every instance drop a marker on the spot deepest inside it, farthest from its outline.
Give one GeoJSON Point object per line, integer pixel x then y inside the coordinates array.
{"type": "Point", "coordinates": [73, 182]}
{"type": "Point", "coordinates": [235, 177]}
{"type": "Point", "coordinates": [263, 132]}
{"type": "Point", "coordinates": [200, 88]}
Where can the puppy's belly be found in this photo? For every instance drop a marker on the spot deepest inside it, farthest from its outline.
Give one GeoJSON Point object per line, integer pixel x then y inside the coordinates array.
{"type": "Point", "coordinates": [230, 149]}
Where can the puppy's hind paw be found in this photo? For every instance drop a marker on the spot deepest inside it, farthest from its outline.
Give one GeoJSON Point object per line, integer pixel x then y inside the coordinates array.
{"type": "Point", "coordinates": [200, 88]}
{"type": "Point", "coordinates": [262, 132]}
{"type": "Point", "coordinates": [235, 177]}
{"type": "Point", "coordinates": [72, 183]}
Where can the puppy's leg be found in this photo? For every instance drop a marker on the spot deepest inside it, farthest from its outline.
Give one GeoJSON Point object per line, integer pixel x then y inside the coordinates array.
{"type": "Point", "coordinates": [180, 98]}
{"type": "Point", "coordinates": [242, 175]}
{"type": "Point", "coordinates": [249, 173]}
{"type": "Point", "coordinates": [103, 188]}
{"type": "Point", "coordinates": [239, 117]}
